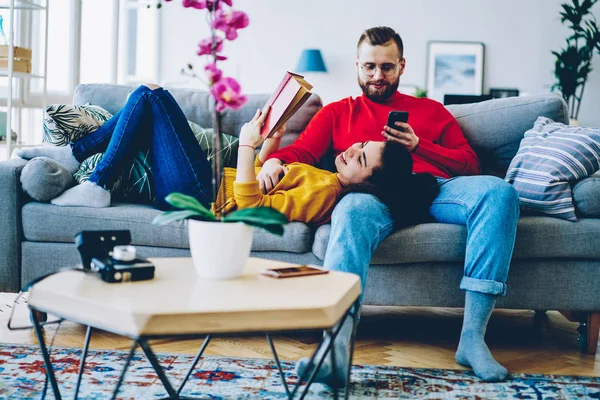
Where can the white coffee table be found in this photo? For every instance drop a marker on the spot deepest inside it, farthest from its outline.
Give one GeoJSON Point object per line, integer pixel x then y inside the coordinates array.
{"type": "Point", "coordinates": [179, 304]}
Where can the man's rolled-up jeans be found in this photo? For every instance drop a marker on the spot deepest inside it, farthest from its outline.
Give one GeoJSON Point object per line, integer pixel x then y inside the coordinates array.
{"type": "Point", "coordinates": [488, 206]}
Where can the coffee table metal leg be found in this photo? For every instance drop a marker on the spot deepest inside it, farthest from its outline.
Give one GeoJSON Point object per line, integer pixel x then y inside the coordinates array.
{"type": "Point", "coordinates": [127, 362]}
{"type": "Point", "coordinates": [281, 374]}
{"type": "Point", "coordinates": [206, 341]}
{"type": "Point", "coordinates": [313, 375]}
{"type": "Point", "coordinates": [88, 335]}
{"type": "Point", "coordinates": [334, 372]}
{"type": "Point", "coordinates": [158, 369]}
{"type": "Point", "coordinates": [49, 371]}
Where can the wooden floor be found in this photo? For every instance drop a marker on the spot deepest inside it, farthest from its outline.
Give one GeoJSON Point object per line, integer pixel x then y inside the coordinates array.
{"type": "Point", "coordinates": [408, 337]}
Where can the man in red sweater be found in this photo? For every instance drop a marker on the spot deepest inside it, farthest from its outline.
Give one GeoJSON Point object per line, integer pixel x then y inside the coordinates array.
{"type": "Point", "coordinates": [486, 205]}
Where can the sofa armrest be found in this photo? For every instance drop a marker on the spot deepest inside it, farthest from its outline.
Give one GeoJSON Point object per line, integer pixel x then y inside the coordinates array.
{"type": "Point", "coordinates": [12, 200]}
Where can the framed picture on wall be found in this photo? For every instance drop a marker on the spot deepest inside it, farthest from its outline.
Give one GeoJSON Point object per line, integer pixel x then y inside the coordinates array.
{"type": "Point", "coordinates": [454, 68]}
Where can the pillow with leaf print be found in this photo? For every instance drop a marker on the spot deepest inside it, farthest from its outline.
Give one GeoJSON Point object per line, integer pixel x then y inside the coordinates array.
{"type": "Point", "coordinates": [65, 123]}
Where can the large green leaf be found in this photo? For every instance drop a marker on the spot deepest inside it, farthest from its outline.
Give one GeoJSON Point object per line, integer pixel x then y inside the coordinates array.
{"type": "Point", "coordinates": [260, 217]}
{"type": "Point", "coordinates": [171, 216]}
{"type": "Point", "coordinates": [186, 202]}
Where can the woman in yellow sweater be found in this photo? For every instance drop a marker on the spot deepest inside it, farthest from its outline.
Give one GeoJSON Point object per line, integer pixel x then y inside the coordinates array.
{"type": "Point", "coordinates": [309, 194]}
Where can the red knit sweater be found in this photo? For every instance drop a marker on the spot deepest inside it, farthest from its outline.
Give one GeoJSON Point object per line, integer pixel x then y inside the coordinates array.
{"type": "Point", "coordinates": [443, 150]}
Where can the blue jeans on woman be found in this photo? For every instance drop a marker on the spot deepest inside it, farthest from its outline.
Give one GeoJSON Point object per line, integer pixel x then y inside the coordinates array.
{"type": "Point", "coordinates": [151, 119]}
{"type": "Point", "coordinates": [486, 205]}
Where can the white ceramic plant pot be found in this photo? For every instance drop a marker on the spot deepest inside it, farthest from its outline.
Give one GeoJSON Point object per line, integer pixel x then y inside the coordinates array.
{"type": "Point", "coordinates": [219, 250]}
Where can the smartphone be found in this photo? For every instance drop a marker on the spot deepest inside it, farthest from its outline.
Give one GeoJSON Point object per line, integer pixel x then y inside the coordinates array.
{"type": "Point", "coordinates": [290, 272]}
{"type": "Point", "coordinates": [397, 116]}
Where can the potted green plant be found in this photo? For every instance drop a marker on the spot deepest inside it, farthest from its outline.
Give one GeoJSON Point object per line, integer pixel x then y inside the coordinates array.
{"type": "Point", "coordinates": [574, 62]}
{"type": "Point", "coordinates": [420, 92]}
{"type": "Point", "coordinates": [220, 250]}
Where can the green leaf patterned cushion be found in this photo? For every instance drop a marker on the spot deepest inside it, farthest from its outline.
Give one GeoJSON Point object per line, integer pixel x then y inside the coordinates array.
{"type": "Point", "coordinates": [64, 123]}
{"type": "Point", "coordinates": [229, 144]}
{"type": "Point", "coordinates": [136, 183]}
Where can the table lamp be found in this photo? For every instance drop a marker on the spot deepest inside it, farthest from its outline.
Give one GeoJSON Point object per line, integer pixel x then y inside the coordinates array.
{"type": "Point", "coordinates": [311, 60]}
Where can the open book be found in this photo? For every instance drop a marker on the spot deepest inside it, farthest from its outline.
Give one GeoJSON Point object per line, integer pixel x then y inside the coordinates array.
{"type": "Point", "coordinates": [289, 96]}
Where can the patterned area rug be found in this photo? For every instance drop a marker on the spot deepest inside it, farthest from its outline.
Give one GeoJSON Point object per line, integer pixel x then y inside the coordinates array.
{"type": "Point", "coordinates": [22, 377]}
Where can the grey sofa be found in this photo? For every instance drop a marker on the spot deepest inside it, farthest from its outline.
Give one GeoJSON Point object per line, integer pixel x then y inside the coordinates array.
{"type": "Point", "coordinates": [556, 264]}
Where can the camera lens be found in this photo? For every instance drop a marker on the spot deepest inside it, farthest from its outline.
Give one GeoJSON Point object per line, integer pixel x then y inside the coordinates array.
{"type": "Point", "coordinates": [124, 253]}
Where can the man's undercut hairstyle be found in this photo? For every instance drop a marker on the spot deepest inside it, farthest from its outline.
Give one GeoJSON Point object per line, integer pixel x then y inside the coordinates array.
{"type": "Point", "coordinates": [380, 36]}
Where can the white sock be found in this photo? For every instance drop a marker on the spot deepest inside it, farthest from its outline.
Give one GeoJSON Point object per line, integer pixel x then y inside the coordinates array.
{"type": "Point", "coordinates": [86, 194]}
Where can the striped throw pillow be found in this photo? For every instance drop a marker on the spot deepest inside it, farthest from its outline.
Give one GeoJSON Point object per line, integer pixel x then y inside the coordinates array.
{"type": "Point", "coordinates": [551, 157]}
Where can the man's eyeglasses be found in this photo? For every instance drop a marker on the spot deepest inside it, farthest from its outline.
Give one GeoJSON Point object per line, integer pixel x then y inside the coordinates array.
{"type": "Point", "coordinates": [387, 69]}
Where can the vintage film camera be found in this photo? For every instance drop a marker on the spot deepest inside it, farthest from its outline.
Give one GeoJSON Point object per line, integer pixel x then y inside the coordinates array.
{"type": "Point", "coordinates": [109, 254]}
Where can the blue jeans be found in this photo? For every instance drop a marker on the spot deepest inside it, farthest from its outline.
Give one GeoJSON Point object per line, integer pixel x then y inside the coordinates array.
{"type": "Point", "coordinates": [151, 119]}
{"type": "Point", "coordinates": [486, 205]}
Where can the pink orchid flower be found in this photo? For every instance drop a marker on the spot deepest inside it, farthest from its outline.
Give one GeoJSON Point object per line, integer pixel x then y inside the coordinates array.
{"type": "Point", "coordinates": [205, 47]}
{"type": "Point", "coordinates": [202, 4]}
{"type": "Point", "coordinates": [198, 4]}
{"type": "Point", "coordinates": [230, 21]}
{"type": "Point", "coordinates": [227, 92]}
{"type": "Point", "coordinates": [214, 74]}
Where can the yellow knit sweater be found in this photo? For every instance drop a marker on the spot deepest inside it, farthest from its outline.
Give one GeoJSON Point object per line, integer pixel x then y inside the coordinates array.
{"type": "Point", "coordinates": [306, 194]}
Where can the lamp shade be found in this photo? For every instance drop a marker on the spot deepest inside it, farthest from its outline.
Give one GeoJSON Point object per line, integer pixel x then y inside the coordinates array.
{"type": "Point", "coordinates": [311, 60]}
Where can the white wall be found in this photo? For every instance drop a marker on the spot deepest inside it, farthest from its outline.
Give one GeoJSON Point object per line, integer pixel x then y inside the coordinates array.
{"type": "Point", "coordinates": [518, 36]}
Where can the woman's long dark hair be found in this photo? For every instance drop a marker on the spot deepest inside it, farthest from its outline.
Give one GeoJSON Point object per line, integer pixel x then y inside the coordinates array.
{"type": "Point", "coordinates": [408, 196]}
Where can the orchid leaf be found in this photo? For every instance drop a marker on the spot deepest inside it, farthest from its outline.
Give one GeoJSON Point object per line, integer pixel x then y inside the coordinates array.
{"type": "Point", "coordinates": [185, 202]}
{"type": "Point", "coordinates": [171, 216]}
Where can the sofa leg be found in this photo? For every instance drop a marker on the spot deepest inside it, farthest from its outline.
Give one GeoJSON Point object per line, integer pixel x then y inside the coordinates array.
{"type": "Point", "coordinates": [589, 328]}
{"type": "Point", "coordinates": [592, 329]}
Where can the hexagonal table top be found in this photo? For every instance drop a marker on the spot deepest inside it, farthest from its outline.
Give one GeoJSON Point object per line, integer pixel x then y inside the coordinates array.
{"type": "Point", "coordinates": [177, 301]}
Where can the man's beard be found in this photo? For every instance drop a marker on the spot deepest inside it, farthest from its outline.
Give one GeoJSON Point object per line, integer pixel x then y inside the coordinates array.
{"type": "Point", "coordinates": [378, 95]}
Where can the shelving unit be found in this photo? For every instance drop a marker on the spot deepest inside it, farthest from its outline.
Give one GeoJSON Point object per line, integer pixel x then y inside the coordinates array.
{"type": "Point", "coordinates": [12, 5]}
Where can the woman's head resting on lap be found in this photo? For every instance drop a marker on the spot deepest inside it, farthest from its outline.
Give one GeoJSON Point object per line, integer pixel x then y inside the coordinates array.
{"type": "Point", "coordinates": [371, 163]}
{"type": "Point", "coordinates": [384, 169]}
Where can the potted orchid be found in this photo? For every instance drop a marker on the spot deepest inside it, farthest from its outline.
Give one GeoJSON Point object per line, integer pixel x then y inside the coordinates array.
{"type": "Point", "coordinates": [220, 251]}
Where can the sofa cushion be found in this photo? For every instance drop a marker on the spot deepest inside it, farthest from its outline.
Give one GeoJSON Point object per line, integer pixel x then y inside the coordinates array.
{"type": "Point", "coordinates": [64, 123]}
{"type": "Point", "coordinates": [495, 128]}
{"type": "Point", "coordinates": [586, 196]}
{"type": "Point", "coordinates": [50, 223]}
{"type": "Point", "coordinates": [537, 237]}
{"type": "Point", "coordinates": [551, 157]}
{"type": "Point", "coordinates": [43, 179]}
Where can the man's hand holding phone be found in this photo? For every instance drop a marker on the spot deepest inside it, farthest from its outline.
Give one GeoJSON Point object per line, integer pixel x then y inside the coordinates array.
{"type": "Point", "coordinates": [398, 130]}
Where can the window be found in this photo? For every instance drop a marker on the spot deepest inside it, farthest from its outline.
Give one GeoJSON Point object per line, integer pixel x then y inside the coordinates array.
{"type": "Point", "coordinates": [140, 42]}
{"type": "Point", "coordinates": [89, 41]}
{"type": "Point", "coordinates": [62, 31]}
{"type": "Point", "coordinates": [96, 41]}
{"type": "Point", "coordinates": [99, 35]}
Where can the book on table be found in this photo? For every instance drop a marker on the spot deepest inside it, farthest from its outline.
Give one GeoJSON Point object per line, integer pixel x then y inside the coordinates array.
{"type": "Point", "coordinates": [289, 96]}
